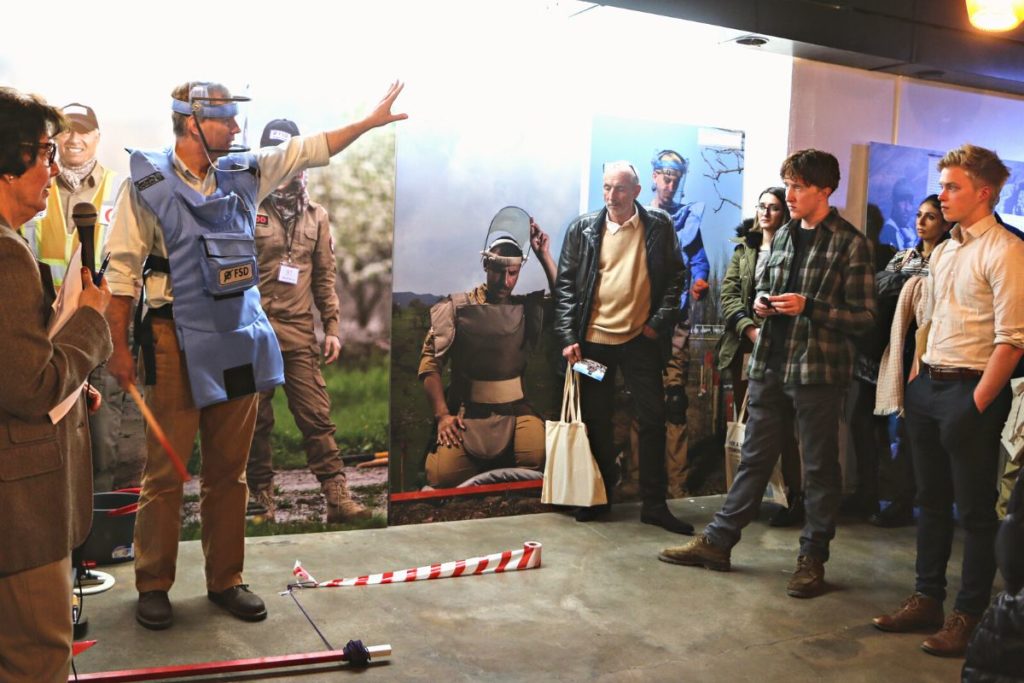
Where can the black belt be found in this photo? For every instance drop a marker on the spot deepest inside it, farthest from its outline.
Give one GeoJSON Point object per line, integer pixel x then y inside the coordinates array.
{"type": "Point", "coordinates": [950, 374]}
{"type": "Point", "coordinates": [166, 312]}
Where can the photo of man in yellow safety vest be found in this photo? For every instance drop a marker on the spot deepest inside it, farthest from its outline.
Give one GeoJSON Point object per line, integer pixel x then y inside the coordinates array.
{"type": "Point", "coordinates": [51, 234]}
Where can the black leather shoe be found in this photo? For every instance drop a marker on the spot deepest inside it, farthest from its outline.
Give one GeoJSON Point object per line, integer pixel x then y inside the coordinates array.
{"type": "Point", "coordinates": [659, 515]}
{"type": "Point", "coordinates": [591, 513]}
{"type": "Point", "coordinates": [154, 610]}
{"type": "Point", "coordinates": [897, 514]}
{"type": "Point", "coordinates": [240, 602]}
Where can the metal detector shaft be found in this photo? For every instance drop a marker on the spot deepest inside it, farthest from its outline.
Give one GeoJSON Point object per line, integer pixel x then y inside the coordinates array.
{"type": "Point", "coordinates": [230, 666]}
{"type": "Point", "coordinates": [151, 421]}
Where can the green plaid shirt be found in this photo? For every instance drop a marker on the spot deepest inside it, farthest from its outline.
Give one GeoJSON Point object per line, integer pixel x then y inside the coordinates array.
{"type": "Point", "coordinates": [838, 279]}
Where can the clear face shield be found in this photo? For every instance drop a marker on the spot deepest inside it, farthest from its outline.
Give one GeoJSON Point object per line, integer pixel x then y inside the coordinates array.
{"type": "Point", "coordinates": [511, 224]}
{"type": "Point", "coordinates": [219, 117]}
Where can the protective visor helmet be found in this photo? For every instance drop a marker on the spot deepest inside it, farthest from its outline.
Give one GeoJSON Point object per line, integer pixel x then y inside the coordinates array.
{"type": "Point", "coordinates": [203, 104]}
{"type": "Point", "coordinates": [511, 225]}
{"type": "Point", "coordinates": [673, 162]}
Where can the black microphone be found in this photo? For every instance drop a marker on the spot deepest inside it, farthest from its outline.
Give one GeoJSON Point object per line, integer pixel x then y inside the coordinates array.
{"type": "Point", "coordinates": [84, 216]}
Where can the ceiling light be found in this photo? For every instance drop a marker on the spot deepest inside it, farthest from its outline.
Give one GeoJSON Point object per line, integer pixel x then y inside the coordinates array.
{"type": "Point", "coordinates": [995, 15]}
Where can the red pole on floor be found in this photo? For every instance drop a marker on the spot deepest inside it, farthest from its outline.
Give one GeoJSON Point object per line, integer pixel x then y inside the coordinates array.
{"type": "Point", "coordinates": [229, 666]}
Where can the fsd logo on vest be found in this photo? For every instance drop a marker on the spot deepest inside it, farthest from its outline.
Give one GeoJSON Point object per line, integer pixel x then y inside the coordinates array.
{"type": "Point", "coordinates": [235, 274]}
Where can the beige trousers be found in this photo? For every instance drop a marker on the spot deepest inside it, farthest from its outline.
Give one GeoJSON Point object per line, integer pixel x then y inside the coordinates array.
{"type": "Point", "coordinates": [450, 466]}
{"type": "Point", "coordinates": [225, 432]}
{"type": "Point", "coordinates": [35, 624]}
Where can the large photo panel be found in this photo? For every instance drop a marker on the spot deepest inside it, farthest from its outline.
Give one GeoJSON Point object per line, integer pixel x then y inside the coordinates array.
{"type": "Point", "coordinates": [439, 268]}
{"type": "Point", "coordinates": [900, 177]}
{"type": "Point", "coordinates": [129, 108]}
{"type": "Point", "coordinates": [695, 174]}
{"type": "Point", "coordinates": [451, 184]}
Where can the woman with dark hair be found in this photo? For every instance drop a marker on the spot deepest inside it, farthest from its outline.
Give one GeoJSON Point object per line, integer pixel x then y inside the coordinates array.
{"type": "Point", "coordinates": [45, 468]}
{"type": "Point", "coordinates": [753, 242]}
{"type": "Point", "coordinates": [932, 229]}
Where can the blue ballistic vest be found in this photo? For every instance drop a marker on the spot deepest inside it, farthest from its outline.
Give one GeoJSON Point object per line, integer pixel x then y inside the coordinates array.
{"type": "Point", "coordinates": [230, 348]}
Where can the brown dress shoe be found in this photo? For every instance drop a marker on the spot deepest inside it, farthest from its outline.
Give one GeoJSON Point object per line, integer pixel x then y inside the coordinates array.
{"type": "Point", "coordinates": [952, 638]}
{"type": "Point", "coordinates": [154, 610]}
{"type": "Point", "coordinates": [808, 581]}
{"type": "Point", "coordinates": [240, 602]}
{"type": "Point", "coordinates": [917, 613]}
{"type": "Point", "coordinates": [700, 552]}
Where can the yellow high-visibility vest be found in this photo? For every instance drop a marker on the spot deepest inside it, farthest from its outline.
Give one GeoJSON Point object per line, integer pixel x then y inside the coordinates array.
{"type": "Point", "coordinates": [48, 236]}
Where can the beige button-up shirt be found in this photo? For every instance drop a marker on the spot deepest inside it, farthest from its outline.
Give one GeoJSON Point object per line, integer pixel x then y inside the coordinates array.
{"type": "Point", "coordinates": [977, 293]}
{"type": "Point", "coordinates": [135, 232]}
{"type": "Point", "coordinates": [290, 306]}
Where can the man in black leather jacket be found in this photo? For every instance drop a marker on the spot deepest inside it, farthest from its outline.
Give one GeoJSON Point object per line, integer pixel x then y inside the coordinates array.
{"type": "Point", "coordinates": [620, 275]}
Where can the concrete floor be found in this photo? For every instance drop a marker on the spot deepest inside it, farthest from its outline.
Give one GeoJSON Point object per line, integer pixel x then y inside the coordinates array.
{"type": "Point", "coordinates": [600, 608]}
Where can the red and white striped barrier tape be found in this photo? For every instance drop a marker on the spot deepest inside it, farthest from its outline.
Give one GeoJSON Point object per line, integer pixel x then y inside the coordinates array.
{"type": "Point", "coordinates": [509, 561]}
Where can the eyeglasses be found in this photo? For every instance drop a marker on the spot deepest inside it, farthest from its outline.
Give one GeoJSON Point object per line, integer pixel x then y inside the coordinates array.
{"type": "Point", "coordinates": [768, 208]}
{"type": "Point", "coordinates": [50, 147]}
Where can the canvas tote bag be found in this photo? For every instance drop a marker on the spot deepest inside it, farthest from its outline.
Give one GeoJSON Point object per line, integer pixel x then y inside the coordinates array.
{"type": "Point", "coordinates": [571, 476]}
{"type": "Point", "coordinates": [735, 432]}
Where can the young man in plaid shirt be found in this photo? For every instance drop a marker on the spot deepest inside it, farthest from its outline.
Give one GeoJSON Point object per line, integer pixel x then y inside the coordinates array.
{"type": "Point", "coordinates": [816, 294]}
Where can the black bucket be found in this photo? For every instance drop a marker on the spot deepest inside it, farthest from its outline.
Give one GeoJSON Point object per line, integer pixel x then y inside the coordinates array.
{"type": "Point", "coordinates": [110, 540]}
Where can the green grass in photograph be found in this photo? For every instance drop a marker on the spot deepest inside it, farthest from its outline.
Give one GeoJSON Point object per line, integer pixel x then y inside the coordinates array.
{"type": "Point", "coordinates": [358, 390]}
{"type": "Point", "coordinates": [359, 407]}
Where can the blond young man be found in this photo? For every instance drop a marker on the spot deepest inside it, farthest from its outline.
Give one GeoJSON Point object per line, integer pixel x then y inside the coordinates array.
{"type": "Point", "coordinates": [958, 398]}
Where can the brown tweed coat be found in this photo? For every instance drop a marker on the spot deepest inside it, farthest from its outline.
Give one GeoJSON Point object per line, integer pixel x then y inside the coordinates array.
{"type": "Point", "coordinates": [45, 469]}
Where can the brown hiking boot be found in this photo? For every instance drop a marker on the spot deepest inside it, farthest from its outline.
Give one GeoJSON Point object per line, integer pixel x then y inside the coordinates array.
{"type": "Point", "coordinates": [700, 552]}
{"type": "Point", "coordinates": [261, 501]}
{"type": "Point", "coordinates": [917, 613]}
{"type": "Point", "coordinates": [808, 581]}
{"type": "Point", "coordinates": [952, 638]}
{"type": "Point", "coordinates": [340, 506]}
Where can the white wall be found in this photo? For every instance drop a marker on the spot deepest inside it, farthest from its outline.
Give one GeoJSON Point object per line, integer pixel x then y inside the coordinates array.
{"type": "Point", "coordinates": [841, 110]}
{"type": "Point", "coordinates": [942, 117]}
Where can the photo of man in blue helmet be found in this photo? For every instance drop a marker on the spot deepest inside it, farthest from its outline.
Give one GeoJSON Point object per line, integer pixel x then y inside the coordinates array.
{"type": "Point", "coordinates": [669, 170]}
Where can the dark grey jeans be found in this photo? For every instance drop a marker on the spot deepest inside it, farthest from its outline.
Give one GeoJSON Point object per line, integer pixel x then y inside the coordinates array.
{"type": "Point", "coordinates": [771, 410]}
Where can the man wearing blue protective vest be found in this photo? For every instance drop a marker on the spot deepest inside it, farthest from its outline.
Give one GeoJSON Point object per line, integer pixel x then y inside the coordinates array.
{"type": "Point", "coordinates": [207, 347]}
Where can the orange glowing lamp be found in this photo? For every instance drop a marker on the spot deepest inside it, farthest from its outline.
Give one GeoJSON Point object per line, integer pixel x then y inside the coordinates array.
{"type": "Point", "coordinates": [995, 15]}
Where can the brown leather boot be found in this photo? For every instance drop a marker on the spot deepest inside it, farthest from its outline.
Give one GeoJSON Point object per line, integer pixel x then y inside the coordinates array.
{"type": "Point", "coordinates": [700, 552]}
{"type": "Point", "coordinates": [808, 581]}
{"type": "Point", "coordinates": [917, 613]}
{"type": "Point", "coordinates": [340, 506]}
{"type": "Point", "coordinates": [952, 638]}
